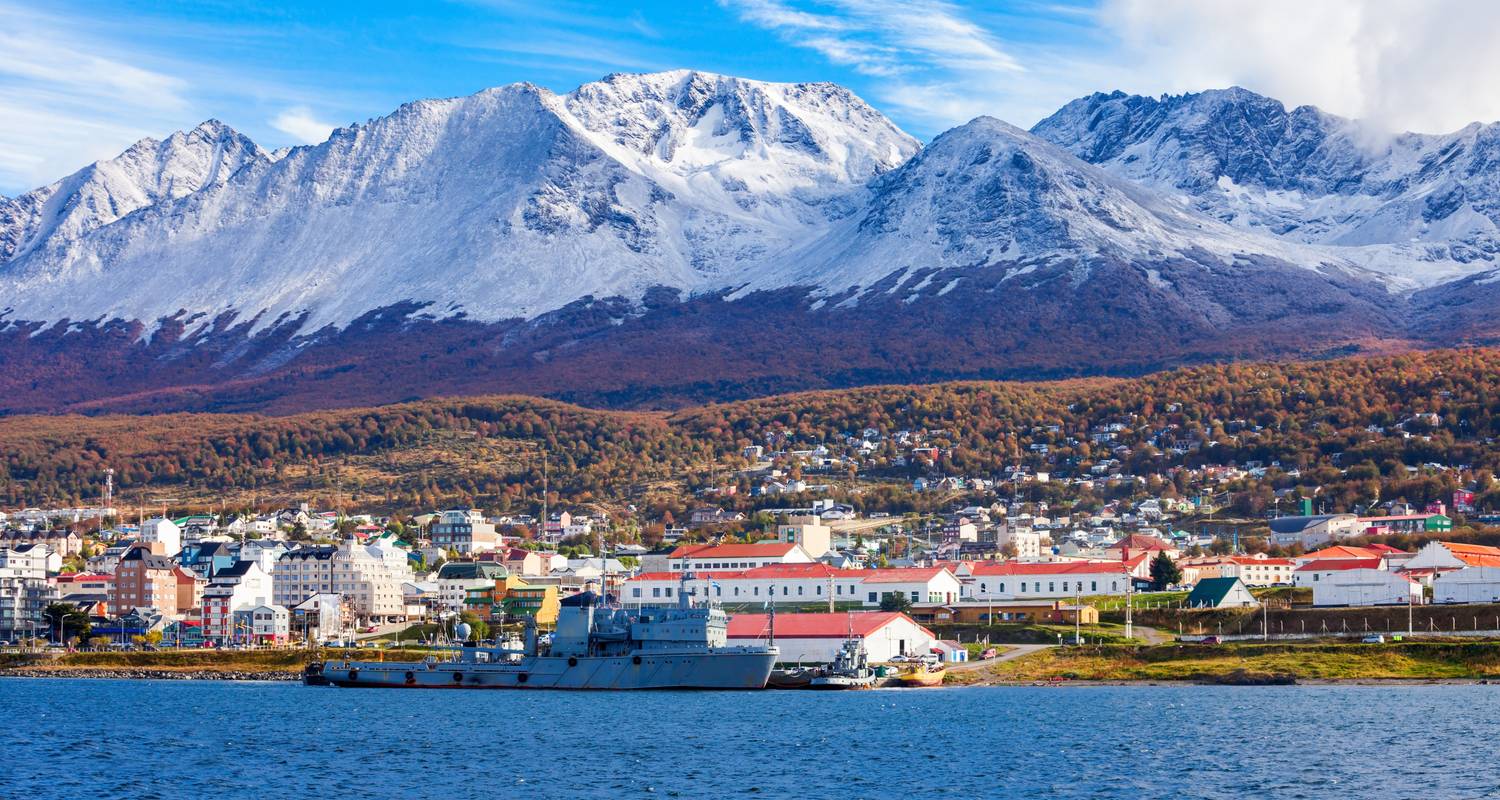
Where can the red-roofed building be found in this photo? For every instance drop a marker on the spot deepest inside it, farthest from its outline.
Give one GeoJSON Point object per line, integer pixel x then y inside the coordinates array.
{"type": "Point", "coordinates": [1139, 544]}
{"type": "Point", "coordinates": [1319, 570]}
{"type": "Point", "coordinates": [797, 583]}
{"type": "Point", "coordinates": [1252, 570]}
{"type": "Point", "coordinates": [1337, 552]}
{"type": "Point", "coordinates": [1010, 580]}
{"type": "Point", "coordinates": [698, 557]}
{"type": "Point", "coordinates": [815, 638]}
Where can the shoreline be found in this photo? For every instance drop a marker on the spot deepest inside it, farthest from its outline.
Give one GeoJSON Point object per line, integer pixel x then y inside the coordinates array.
{"type": "Point", "coordinates": [285, 677]}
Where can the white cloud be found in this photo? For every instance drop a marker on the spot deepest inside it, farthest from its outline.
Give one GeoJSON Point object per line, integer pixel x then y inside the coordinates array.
{"type": "Point", "coordinates": [1406, 65]}
{"type": "Point", "coordinates": [300, 124]}
{"type": "Point", "coordinates": [1421, 66]}
{"type": "Point", "coordinates": [65, 102]}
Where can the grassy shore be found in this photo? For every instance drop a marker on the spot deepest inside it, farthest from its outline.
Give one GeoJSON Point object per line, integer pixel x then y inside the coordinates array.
{"type": "Point", "coordinates": [1250, 663]}
{"type": "Point", "coordinates": [194, 661]}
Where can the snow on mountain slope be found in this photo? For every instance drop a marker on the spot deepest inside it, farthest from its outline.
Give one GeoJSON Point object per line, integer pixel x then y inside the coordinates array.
{"type": "Point", "coordinates": [1424, 208]}
{"type": "Point", "coordinates": [149, 172]}
{"type": "Point", "coordinates": [989, 193]}
{"type": "Point", "coordinates": [508, 203]}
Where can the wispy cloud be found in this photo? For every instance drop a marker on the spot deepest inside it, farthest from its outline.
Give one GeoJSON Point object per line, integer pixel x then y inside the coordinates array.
{"type": "Point", "coordinates": [300, 124]}
{"type": "Point", "coordinates": [933, 62]}
{"type": "Point", "coordinates": [64, 103]}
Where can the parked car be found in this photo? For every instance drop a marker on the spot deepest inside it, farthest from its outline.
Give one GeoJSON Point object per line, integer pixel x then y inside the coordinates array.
{"type": "Point", "coordinates": [990, 653]}
{"type": "Point", "coordinates": [1374, 638]}
{"type": "Point", "coordinates": [1211, 640]}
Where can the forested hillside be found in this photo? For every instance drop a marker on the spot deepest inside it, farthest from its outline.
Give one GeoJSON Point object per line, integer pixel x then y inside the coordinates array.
{"type": "Point", "coordinates": [1349, 431]}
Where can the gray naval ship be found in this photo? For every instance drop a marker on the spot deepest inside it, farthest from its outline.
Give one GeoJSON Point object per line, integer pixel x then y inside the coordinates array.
{"type": "Point", "coordinates": [595, 646]}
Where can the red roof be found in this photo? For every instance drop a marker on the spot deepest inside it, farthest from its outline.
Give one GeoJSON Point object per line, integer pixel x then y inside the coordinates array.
{"type": "Point", "coordinates": [756, 550]}
{"type": "Point", "coordinates": [1340, 564]}
{"type": "Point", "coordinates": [815, 626]}
{"type": "Point", "coordinates": [1475, 555]}
{"type": "Point", "coordinates": [1138, 541]}
{"type": "Point", "coordinates": [1385, 548]}
{"type": "Point", "coordinates": [1339, 551]}
{"type": "Point", "coordinates": [1051, 568]}
{"type": "Point", "coordinates": [1248, 561]}
{"type": "Point", "coordinates": [802, 571]}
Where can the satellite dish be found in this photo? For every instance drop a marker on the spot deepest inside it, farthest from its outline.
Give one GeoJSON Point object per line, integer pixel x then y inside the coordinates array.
{"type": "Point", "coordinates": [462, 631]}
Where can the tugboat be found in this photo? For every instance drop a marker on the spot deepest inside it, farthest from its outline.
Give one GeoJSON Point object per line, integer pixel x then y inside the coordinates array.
{"type": "Point", "coordinates": [850, 669]}
{"type": "Point", "coordinates": [597, 645]}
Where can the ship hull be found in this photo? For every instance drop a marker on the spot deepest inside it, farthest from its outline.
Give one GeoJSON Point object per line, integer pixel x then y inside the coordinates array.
{"type": "Point", "coordinates": [695, 670]}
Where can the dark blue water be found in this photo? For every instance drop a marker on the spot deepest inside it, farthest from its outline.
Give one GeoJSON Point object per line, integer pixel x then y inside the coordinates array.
{"type": "Point", "coordinates": [170, 739]}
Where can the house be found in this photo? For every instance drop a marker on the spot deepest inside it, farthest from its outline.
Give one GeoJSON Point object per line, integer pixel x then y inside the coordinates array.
{"type": "Point", "coordinates": [712, 515]}
{"type": "Point", "coordinates": [263, 624]}
{"type": "Point", "coordinates": [1468, 585]}
{"type": "Point", "coordinates": [736, 556]}
{"type": "Point", "coordinates": [525, 562]}
{"type": "Point", "coordinates": [207, 558]}
{"type": "Point", "coordinates": [1221, 593]}
{"type": "Point", "coordinates": [1366, 586]}
{"type": "Point", "coordinates": [816, 638]}
{"type": "Point", "coordinates": [1314, 530]}
{"type": "Point", "coordinates": [1137, 544]}
{"type": "Point", "coordinates": [1254, 570]}
{"type": "Point", "coordinates": [1407, 523]}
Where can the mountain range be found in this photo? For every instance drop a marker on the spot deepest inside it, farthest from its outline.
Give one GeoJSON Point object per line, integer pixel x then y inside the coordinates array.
{"type": "Point", "coordinates": [651, 240]}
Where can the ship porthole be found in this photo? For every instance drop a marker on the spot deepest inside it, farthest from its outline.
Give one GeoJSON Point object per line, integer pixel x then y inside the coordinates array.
{"type": "Point", "coordinates": [411, 677]}
{"type": "Point", "coordinates": [521, 678]}
{"type": "Point", "coordinates": [572, 661]}
{"type": "Point", "coordinates": [636, 661]}
{"type": "Point", "coordinates": [354, 674]}
{"type": "Point", "coordinates": [458, 677]}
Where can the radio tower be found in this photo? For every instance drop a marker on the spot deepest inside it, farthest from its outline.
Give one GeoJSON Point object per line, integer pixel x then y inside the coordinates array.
{"type": "Point", "coordinates": [109, 493]}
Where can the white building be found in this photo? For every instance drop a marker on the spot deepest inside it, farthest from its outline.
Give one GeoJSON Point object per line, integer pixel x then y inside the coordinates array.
{"type": "Point", "coordinates": [1365, 587]}
{"type": "Point", "coordinates": [455, 578]}
{"type": "Point", "coordinates": [1467, 585]}
{"type": "Point", "coordinates": [1026, 541]}
{"type": "Point", "coordinates": [165, 531]}
{"type": "Point", "coordinates": [798, 583]}
{"type": "Point", "coordinates": [814, 537]}
{"type": "Point", "coordinates": [816, 638]}
{"type": "Point", "coordinates": [239, 586]}
{"type": "Point", "coordinates": [24, 593]}
{"type": "Point", "coordinates": [464, 531]}
{"type": "Point", "coordinates": [1012, 580]}
{"type": "Point", "coordinates": [370, 577]}
{"type": "Point", "coordinates": [701, 557]}
{"type": "Point", "coordinates": [264, 624]}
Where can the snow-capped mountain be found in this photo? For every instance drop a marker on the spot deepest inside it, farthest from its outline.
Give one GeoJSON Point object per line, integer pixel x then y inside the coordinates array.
{"type": "Point", "coordinates": [988, 194]}
{"type": "Point", "coordinates": [681, 236]}
{"type": "Point", "coordinates": [508, 203]}
{"type": "Point", "coordinates": [150, 172]}
{"type": "Point", "coordinates": [1423, 208]}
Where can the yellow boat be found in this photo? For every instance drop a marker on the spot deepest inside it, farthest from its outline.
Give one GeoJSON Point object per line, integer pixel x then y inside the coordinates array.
{"type": "Point", "coordinates": [923, 675]}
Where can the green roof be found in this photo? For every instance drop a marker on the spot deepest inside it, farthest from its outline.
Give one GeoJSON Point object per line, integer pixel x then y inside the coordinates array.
{"type": "Point", "coordinates": [1210, 592]}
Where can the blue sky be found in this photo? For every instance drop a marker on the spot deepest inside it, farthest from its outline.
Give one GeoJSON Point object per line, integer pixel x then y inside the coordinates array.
{"type": "Point", "coordinates": [82, 79]}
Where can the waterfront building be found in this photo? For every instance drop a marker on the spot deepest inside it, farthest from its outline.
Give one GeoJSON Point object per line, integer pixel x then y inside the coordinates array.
{"type": "Point", "coordinates": [798, 584]}
{"type": "Point", "coordinates": [369, 576]}
{"type": "Point", "coordinates": [263, 624]}
{"type": "Point", "coordinates": [24, 593]}
{"type": "Point", "coordinates": [455, 578]}
{"type": "Point", "coordinates": [145, 580]}
{"type": "Point", "coordinates": [240, 586]}
{"type": "Point", "coordinates": [816, 638]}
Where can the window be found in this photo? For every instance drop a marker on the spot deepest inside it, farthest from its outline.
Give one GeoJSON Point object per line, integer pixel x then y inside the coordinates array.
{"type": "Point", "coordinates": [636, 592]}
{"type": "Point", "coordinates": [1093, 586]}
{"type": "Point", "coordinates": [799, 591]}
{"type": "Point", "coordinates": [1023, 586]}
{"type": "Point", "coordinates": [872, 597]}
{"type": "Point", "coordinates": [669, 591]}
{"type": "Point", "coordinates": [915, 597]}
{"type": "Point", "coordinates": [1049, 587]}
{"type": "Point", "coordinates": [1002, 588]}
{"type": "Point", "coordinates": [983, 588]}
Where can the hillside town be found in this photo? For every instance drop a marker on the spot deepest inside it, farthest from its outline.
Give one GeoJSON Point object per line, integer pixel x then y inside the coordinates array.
{"type": "Point", "coordinates": [86, 578]}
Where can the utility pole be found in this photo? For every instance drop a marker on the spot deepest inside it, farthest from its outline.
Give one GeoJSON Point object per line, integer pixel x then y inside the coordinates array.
{"type": "Point", "coordinates": [1129, 595]}
{"type": "Point", "coordinates": [1265, 621]}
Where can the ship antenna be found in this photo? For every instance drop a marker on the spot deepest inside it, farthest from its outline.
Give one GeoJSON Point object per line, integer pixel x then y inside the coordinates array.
{"type": "Point", "coordinates": [771, 604]}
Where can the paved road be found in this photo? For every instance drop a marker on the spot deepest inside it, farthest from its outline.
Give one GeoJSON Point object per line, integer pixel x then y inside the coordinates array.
{"type": "Point", "coordinates": [1012, 652]}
